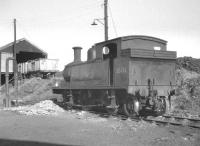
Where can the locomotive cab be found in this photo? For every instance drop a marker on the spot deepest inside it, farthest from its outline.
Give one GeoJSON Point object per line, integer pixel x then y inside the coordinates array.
{"type": "Point", "coordinates": [105, 52]}
{"type": "Point", "coordinates": [110, 52]}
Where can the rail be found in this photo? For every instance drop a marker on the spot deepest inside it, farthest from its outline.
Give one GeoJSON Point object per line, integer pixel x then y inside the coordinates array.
{"type": "Point", "coordinates": [164, 120]}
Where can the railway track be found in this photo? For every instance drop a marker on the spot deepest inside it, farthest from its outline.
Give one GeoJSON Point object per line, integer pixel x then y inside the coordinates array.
{"type": "Point", "coordinates": [161, 120]}
{"type": "Point", "coordinates": [164, 120]}
{"type": "Point", "coordinates": [175, 120]}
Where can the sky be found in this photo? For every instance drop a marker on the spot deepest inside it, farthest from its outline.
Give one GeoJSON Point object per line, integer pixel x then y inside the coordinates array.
{"type": "Point", "coordinates": [56, 26]}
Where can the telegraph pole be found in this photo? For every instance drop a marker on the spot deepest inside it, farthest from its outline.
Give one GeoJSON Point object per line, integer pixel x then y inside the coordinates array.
{"type": "Point", "coordinates": [15, 62]}
{"type": "Point", "coordinates": [0, 72]}
{"type": "Point", "coordinates": [14, 51]}
{"type": "Point", "coordinates": [106, 19]}
{"type": "Point", "coordinates": [105, 23]}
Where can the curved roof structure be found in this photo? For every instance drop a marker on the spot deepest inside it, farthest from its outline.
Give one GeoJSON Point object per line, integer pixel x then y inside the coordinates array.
{"type": "Point", "coordinates": [142, 37]}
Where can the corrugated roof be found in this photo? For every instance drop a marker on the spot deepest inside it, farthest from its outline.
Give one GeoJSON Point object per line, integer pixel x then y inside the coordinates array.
{"type": "Point", "coordinates": [22, 45]}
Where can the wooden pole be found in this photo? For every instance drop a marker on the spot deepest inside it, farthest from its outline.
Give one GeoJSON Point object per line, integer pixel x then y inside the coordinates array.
{"type": "Point", "coordinates": [15, 62]}
{"type": "Point", "coordinates": [0, 70]}
{"type": "Point", "coordinates": [106, 19]}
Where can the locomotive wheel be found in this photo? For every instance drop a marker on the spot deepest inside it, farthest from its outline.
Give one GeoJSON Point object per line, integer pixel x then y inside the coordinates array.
{"type": "Point", "coordinates": [131, 108]}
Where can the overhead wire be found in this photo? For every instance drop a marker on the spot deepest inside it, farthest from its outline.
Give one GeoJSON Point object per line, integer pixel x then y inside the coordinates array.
{"type": "Point", "coordinates": [113, 22]}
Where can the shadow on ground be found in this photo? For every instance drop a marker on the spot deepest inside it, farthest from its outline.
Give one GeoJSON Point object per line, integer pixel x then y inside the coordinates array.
{"type": "Point", "coordinates": [10, 142]}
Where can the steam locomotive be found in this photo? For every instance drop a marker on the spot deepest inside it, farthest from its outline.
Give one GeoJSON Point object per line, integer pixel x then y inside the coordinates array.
{"type": "Point", "coordinates": [131, 73]}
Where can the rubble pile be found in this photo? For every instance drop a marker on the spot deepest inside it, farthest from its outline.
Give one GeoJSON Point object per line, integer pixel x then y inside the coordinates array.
{"type": "Point", "coordinates": [186, 103]}
{"type": "Point", "coordinates": [187, 99]}
{"type": "Point", "coordinates": [36, 89]}
{"type": "Point", "coordinates": [46, 107]}
{"type": "Point", "coordinates": [188, 63]}
{"type": "Point", "coordinates": [32, 90]}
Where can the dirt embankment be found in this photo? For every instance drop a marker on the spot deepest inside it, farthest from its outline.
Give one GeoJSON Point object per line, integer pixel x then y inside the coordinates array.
{"type": "Point", "coordinates": [187, 99]}
{"type": "Point", "coordinates": [188, 63]}
{"type": "Point", "coordinates": [32, 91]}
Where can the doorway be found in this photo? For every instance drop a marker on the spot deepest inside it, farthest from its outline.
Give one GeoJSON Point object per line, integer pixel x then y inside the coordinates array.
{"type": "Point", "coordinates": [110, 52]}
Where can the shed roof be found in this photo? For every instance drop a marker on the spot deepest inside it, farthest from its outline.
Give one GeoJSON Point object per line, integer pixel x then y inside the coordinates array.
{"type": "Point", "coordinates": [22, 45]}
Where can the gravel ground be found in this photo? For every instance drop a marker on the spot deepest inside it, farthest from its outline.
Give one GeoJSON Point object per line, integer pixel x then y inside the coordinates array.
{"type": "Point", "coordinates": [46, 124]}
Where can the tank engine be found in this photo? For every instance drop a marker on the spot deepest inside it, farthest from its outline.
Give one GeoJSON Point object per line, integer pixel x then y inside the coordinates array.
{"type": "Point", "coordinates": [132, 73]}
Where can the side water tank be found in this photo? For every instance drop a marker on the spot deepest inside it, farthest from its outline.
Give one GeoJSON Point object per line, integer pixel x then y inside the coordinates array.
{"type": "Point", "coordinates": [67, 73]}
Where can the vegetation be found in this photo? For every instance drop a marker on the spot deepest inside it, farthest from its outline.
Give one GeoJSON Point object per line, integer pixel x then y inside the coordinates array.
{"type": "Point", "coordinates": [187, 99]}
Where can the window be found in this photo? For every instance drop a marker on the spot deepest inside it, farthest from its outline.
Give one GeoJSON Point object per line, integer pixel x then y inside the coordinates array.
{"type": "Point", "coordinates": [109, 51]}
{"type": "Point", "coordinates": [157, 48]}
{"type": "Point", "coordinates": [106, 50]}
{"type": "Point", "coordinates": [93, 54]}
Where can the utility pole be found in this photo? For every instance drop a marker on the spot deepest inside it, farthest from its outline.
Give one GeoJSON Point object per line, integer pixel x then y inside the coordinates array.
{"type": "Point", "coordinates": [8, 100]}
{"type": "Point", "coordinates": [15, 62]}
{"type": "Point", "coordinates": [14, 51]}
{"type": "Point", "coordinates": [105, 23]}
{"type": "Point", "coordinates": [0, 72]}
{"type": "Point", "coordinates": [106, 19]}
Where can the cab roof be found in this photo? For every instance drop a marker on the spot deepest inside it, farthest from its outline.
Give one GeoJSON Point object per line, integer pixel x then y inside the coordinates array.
{"type": "Point", "coordinates": [142, 37]}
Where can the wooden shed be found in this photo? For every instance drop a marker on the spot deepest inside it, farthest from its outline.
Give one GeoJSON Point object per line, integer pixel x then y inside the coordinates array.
{"type": "Point", "coordinates": [25, 51]}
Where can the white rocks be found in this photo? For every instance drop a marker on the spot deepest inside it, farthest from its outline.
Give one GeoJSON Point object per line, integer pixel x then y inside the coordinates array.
{"type": "Point", "coordinates": [46, 107]}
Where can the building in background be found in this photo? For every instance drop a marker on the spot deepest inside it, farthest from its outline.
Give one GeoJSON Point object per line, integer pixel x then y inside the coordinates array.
{"type": "Point", "coordinates": [25, 51]}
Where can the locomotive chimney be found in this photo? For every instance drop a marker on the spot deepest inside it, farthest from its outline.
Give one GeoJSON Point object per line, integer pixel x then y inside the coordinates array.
{"type": "Point", "coordinates": [77, 54]}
